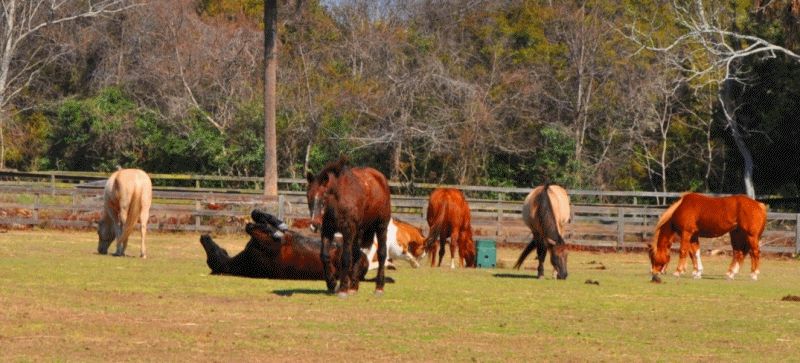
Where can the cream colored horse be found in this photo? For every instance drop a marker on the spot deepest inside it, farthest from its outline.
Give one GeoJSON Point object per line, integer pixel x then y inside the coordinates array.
{"type": "Point", "coordinates": [126, 200]}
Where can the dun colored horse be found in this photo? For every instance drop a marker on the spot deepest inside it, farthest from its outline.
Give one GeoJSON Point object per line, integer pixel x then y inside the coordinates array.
{"type": "Point", "coordinates": [356, 203]}
{"type": "Point", "coordinates": [403, 242]}
{"type": "Point", "coordinates": [126, 200]}
{"type": "Point", "coordinates": [449, 216]}
{"type": "Point", "coordinates": [545, 211]}
{"type": "Point", "coordinates": [695, 215]}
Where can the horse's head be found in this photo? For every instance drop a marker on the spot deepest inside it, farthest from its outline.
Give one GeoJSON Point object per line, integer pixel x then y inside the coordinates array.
{"type": "Point", "coordinates": [316, 190]}
{"type": "Point", "coordinates": [267, 238]}
{"type": "Point", "coordinates": [558, 257]}
{"type": "Point", "coordinates": [659, 258]}
{"type": "Point", "coordinates": [105, 234]}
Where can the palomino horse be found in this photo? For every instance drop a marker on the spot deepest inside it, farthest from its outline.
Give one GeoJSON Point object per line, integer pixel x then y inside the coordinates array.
{"type": "Point", "coordinates": [449, 216]}
{"type": "Point", "coordinates": [696, 215]}
{"type": "Point", "coordinates": [126, 200]}
{"type": "Point", "coordinates": [356, 203]}
{"type": "Point", "coordinates": [546, 210]}
{"type": "Point", "coordinates": [273, 252]}
{"type": "Point", "coordinates": [403, 242]}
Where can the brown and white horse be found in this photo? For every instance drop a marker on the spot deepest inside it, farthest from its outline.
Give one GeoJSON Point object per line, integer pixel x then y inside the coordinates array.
{"type": "Point", "coordinates": [449, 216]}
{"type": "Point", "coordinates": [356, 203]}
{"type": "Point", "coordinates": [695, 215]}
{"type": "Point", "coordinates": [403, 242]}
{"type": "Point", "coordinates": [126, 200]}
{"type": "Point", "coordinates": [546, 211]}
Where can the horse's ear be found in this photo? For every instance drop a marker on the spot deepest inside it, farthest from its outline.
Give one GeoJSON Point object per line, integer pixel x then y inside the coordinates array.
{"type": "Point", "coordinates": [309, 177]}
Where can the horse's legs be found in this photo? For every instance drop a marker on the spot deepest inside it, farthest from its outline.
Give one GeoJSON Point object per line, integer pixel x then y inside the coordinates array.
{"type": "Point", "coordinates": [327, 264]}
{"type": "Point", "coordinates": [455, 239]}
{"type": "Point", "coordinates": [119, 232]}
{"type": "Point", "coordinates": [355, 272]}
{"type": "Point", "coordinates": [738, 241]}
{"type": "Point", "coordinates": [144, 216]}
{"type": "Point", "coordinates": [346, 261]}
{"type": "Point", "coordinates": [697, 263]}
{"type": "Point", "coordinates": [380, 233]}
{"type": "Point", "coordinates": [755, 256]}
{"type": "Point", "coordinates": [685, 247]}
{"type": "Point", "coordinates": [541, 253]}
{"type": "Point", "coordinates": [442, 246]}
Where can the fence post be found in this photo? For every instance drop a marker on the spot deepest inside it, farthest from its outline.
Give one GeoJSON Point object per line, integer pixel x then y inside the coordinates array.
{"type": "Point", "coordinates": [499, 225]}
{"type": "Point", "coordinates": [797, 235]}
{"type": "Point", "coordinates": [620, 228]}
{"type": "Point", "coordinates": [281, 201]}
{"type": "Point", "coordinates": [36, 201]}
{"type": "Point", "coordinates": [53, 184]}
{"type": "Point", "coordinates": [197, 215]}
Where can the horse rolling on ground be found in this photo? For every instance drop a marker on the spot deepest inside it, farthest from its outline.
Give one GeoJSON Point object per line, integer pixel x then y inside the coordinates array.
{"type": "Point", "coordinates": [126, 200]}
{"type": "Point", "coordinates": [403, 242]}
{"type": "Point", "coordinates": [695, 215]}
{"type": "Point", "coordinates": [355, 202]}
{"type": "Point", "coordinates": [273, 252]}
{"type": "Point", "coordinates": [449, 216]}
{"type": "Point", "coordinates": [545, 211]}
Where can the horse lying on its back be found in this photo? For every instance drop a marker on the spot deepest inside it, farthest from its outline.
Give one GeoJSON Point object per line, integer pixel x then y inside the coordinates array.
{"type": "Point", "coordinates": [273, 252]}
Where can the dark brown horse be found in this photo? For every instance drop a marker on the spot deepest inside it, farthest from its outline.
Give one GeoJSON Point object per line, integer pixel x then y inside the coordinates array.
{"type": "Point", "coordinates": [449, 217]}
{"type": "Point", "coordinates": [696, 215]}
{"type": "Point", "coordinates": [356, 203]}
{"type": "Point", "coordinates": [273, 252]}
{"type": "Point", "coordinates": [545, 211]}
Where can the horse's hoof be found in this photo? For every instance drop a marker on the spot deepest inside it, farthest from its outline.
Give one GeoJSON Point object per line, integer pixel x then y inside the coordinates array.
{"type": "Point", "coordinates": [729, 276]}
{"type": "Point", "coordinates": [378, 292]}
{"type": "Point", "coordinates": [697, 277]}
{"type": "Point", "coordinates": [656, 279]}
{"type": "Point", "coordinates": [352, 291]}
{"type": "Point", "coordinates": [676, 274]}
{"type": "Point", "coordinates": [754, 277]}
{"type": "Point", "coordinates": [342, 294]}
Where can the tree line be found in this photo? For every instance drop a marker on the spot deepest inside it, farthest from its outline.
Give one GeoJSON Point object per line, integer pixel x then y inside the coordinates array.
{"type": "Point", "coordinates": [625, 95]}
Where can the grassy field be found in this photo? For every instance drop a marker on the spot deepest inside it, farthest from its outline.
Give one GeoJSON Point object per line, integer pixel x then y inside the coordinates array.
{"type": "Point", "coordinates": [62, 302]}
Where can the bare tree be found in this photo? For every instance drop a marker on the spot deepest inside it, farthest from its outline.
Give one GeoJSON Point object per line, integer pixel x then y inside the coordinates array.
{"type": "Point", "coordinates": [22, 20]}
{"type": "Point", "coordinates": [707, 51]}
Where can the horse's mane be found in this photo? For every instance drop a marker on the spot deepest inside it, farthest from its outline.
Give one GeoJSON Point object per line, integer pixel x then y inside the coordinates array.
{"type": "Point", "coordinates": [334, 167]}
{"type": "Point", "coordinates": [665, 217]}
{"type": "Point", "coordinates": [546, 219]}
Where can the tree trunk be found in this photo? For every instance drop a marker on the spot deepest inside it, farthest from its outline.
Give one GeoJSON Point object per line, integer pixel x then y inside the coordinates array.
{"type": "Point", "coordinates": [728, 108]}
{"type": "Point", "coordinates": [270, 78]}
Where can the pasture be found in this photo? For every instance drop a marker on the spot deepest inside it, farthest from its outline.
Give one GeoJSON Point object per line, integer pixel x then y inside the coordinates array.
{"type": "Point", "coordinates": [61, 301]}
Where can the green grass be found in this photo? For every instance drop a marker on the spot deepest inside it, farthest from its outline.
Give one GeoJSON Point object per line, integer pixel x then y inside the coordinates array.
{"type": "Point", "coordinates": [62, 302]}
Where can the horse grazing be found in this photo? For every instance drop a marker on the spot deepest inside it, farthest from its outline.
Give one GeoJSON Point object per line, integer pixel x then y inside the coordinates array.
{"type": "Point", "coordinates": [355, 202]}
{"type": "Point", "coordinates": [403, 242]}
{"type": "Point", "coordinates": [695, 215]}
{"type": "Point", "coordinates": [126, 200]}
{"type": "Point", "coordinates": [545, 211]}
{"type": "Point", "coordinates": [449, 216]}
{"type": "Point", "coordinates": [273, 252]}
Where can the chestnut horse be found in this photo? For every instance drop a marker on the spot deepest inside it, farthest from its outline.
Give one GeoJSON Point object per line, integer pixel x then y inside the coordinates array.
{"type": "Point", "coordinates": [356, 203]}
{"type": "Point", "coordinates": [403, 242]}
{"type": "Point", "coordinates": [126, 200]}
{"type": "Point", "coordinates": [449, 216]}
{"type": "Point", "coordinates": [695, 215]}
{"type": "Point", "coordinates": [545, 211]}
{"type": "Point", "coordinates": [273, 252]}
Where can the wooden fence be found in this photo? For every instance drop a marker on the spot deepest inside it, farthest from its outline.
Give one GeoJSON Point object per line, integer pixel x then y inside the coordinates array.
{"type": "Point", "coordinates": [55, 200]}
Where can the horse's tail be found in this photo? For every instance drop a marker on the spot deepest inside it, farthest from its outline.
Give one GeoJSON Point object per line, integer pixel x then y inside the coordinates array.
{"type": "Point", "coordinates": [527, 251]}
{"type": "Point", "coordinates": [665, 217]}
{"type": "Point", "coordinates": [436, 227]}
{"type": "Point", "coordinates": [134, 210]}
{"type": "Point", "coordinates": [547, 217]}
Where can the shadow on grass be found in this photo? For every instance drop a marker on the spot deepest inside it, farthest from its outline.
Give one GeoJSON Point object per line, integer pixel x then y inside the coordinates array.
{"type": "Point", "coordinates": [515, 276]}
{"type": "Point", "coordinates": [291, 292]}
